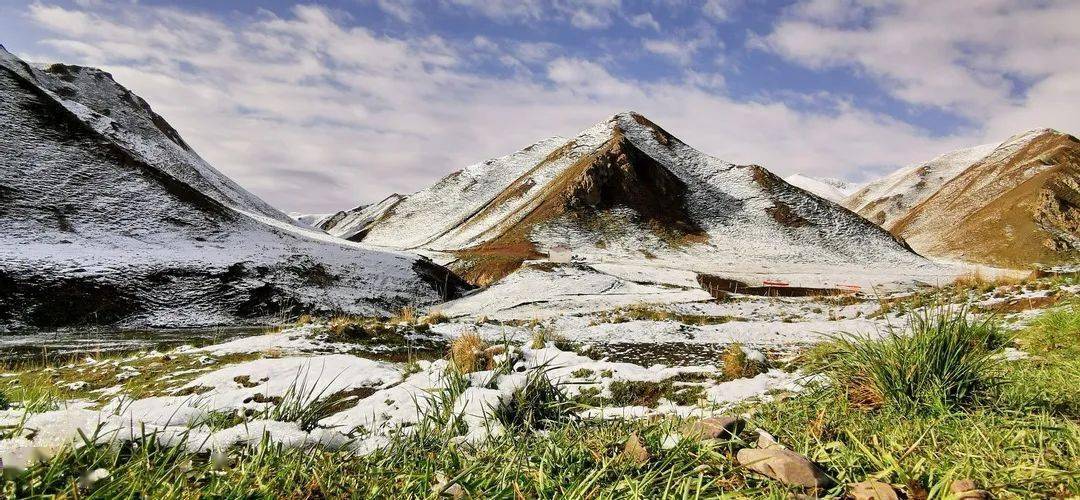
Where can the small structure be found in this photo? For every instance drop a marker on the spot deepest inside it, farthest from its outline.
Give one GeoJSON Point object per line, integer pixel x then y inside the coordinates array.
{"type": "Point", "coordinates": [560, 254]}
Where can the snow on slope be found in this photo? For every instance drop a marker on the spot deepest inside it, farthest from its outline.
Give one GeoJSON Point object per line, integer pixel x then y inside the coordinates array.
{"type": "Point", "coordinates": [625, 190]}
{"type": "Point", "coordinates": [108, 217]}
{"type": "Point", "coordinates": [428, 215]}
{"type": "Point", "coordinates": [889, 198]}
{"type": "Point", "coordinates": [354, 224]}
{"type": "Point", "coordinates": [127, 119]}
{"type": "Point", "coordinates": [834, 190]}
{"type": "Point", "coordinates": [1016, 206]}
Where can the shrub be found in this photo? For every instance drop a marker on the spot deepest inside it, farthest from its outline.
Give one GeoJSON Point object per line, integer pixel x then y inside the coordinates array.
{"type": "Point", "coordinates": [407, 314]}
{"type": "Point", "coordinates": [944, 360]}
{"type": "Point", "coordinates": [542, 336]}
{"type": "Point", "coordinates": [434, 318]}
{"type": "Point", "coordinates": [468, 353]}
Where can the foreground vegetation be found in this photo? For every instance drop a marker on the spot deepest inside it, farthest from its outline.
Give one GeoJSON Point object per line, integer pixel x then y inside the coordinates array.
{"type": "Point", "coordinates": [917, 411]}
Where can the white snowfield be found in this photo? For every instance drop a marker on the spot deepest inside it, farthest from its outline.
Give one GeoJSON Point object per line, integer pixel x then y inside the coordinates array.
{"type": "Point", "coordinates": [99, 194]}
{"type": "Point", "coordinates": [390, 401]}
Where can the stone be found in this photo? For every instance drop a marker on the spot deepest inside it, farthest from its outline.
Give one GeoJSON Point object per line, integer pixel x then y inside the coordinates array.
{"type": "Point", "coordinates": [766, 440]}
{"type": "Point", "coordinates": [872, 490]}
{"type": "Point", "coordinates": [723, 427]}
{"type": "Point", "coordinates": [783, 465]}
{"type": "Point", "coordinates": [634, 451]}
{"type": "Point", "coordinates": [966, 489]}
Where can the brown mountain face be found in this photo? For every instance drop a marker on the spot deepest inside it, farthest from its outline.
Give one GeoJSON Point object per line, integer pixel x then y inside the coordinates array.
{"type": "Point", "coordinates": [617, 174]}
{"type": "Point", "coordinates": [1018, 206]}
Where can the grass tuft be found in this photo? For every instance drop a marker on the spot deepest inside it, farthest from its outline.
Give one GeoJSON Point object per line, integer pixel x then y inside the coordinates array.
{"type": "Point", "coordinates": [468, 353]}
{"type": "Point", "coordinates": [945, 360]}
{"type": "Point", "coordinates": [738, 365]}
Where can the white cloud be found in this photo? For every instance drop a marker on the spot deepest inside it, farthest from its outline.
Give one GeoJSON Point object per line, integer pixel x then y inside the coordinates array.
{"type": "Point", "coordinates": [503, 10]}
{"type": "Point", "coordinates": [403, 10]}
{"type": "Point", "coordinates": [964, 56]}
{"type": "Point", "coordinates": [643, 21]}
{"type": "Point", "coordinates": [314, 113]}
{"type": "Point", "coordinates": [719, 10]}
{"type": "Point", "coordinates": [582, 14]}
{"type": "Point", "coordinates": [680, 51]}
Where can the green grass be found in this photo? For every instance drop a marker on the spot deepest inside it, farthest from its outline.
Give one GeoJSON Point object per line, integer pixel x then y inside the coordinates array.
{"type": "Point", "coordinates": [942, 360]}
{"type": "Point", "coordinates": [1021, 440]}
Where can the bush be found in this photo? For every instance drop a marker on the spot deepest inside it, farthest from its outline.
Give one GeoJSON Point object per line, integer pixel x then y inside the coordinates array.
{"type": "Point", "coordinates": [538, 405]}
{"type": "Point", "coordinates": [944, 360]}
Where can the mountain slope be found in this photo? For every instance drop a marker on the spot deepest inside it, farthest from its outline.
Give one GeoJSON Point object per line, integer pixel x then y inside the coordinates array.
{"type": "Point", "coordinates": [109, 217]}
{"type": "Point", "coordinates": [834, 190]}
{"type": "Point", "coordinates": [1017, 205]}
{"type": "Point", "coordinates": [889, 198]}
{"type": "Point", "coordinates": [626, 190]}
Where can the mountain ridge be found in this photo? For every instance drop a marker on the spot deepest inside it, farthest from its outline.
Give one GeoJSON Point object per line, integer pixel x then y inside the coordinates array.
{"type": "Point", "coordinates": [625, 188]}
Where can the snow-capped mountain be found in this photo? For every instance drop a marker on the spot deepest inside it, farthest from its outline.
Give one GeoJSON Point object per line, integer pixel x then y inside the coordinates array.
{"type": "Point", "coordinates": [1011, 204]}
{"type": "Point", "coordinates": [625, 190]}
{"type": "Point", "coordinates": [108, 216]}
{"type": "Point", "coordinates": [889, 198]}
{"type": "Point", "coordinates": [834, 190]}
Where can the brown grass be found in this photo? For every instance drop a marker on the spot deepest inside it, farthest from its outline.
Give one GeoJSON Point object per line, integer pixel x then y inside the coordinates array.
{"type": "Point", "coordinates": [468, 353]}
{"type": "Point", "coordinates": [407, 314]}
{"type": "Point", "coordinates": [737, 365]}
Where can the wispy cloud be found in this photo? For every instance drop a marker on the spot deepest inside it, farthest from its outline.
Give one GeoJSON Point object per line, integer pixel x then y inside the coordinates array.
{"type": "Point", "coordinates": [1005, 63]}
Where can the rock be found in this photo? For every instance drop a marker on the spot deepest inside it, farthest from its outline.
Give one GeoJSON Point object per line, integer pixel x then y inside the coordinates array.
{"type": "Point", "coordinates": [723, 427]}
{"type": "Point", "coordinates": [967, 489]}
{"type": "Point", "coordinates": [634, 451]}
{"type": "Point", "coordinates": [90, 478]}
{"type": "Point", "coordinates": [782, 465]}
{"type": "Point", "coordinates": [872, 490]}
{"type": "Point", "coordinates": [766, 440]}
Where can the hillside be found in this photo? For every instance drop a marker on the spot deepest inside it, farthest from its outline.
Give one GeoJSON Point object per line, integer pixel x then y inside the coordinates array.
{"type": "Point", "coordinates": [1015, 206]}
{"type": "Point", "coordinates": [834, 190]}
{"type": "Point", "coordinates": [626, 191]}
{"type": "Point", "coordinates": [109, 217]}
{"type": "Point", "coordinates": [885, 200]}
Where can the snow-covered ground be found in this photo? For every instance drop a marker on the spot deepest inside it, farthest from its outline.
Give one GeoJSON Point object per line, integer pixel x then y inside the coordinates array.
{"type": "Point", "coordinates": [390, 397]}
{"type": "Point", "coordinates": [224, 394]}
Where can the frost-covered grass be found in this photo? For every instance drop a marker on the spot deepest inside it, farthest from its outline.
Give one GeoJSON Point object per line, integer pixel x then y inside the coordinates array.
{"type": "Point", "coordinates": [647, 312]}
{"type": "Point", "coordinates": [1021, 440]}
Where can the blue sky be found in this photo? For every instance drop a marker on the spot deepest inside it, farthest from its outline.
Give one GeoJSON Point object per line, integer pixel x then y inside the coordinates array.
{"type": "Point", "coordinates": [320, 106]}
